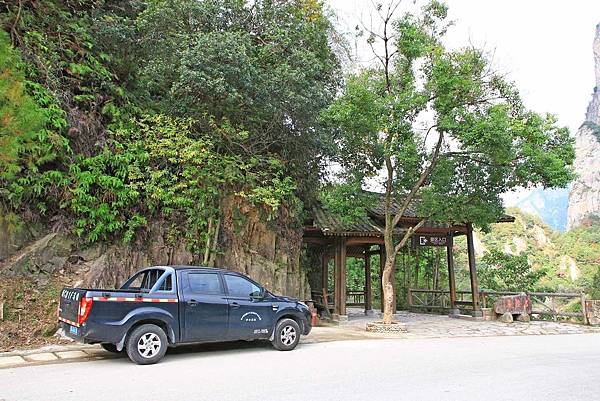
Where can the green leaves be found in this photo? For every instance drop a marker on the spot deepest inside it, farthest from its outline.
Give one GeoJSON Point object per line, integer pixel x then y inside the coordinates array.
{"type": "Point", "coordinates": [31, 125]}
{"type": "Point", "coordinates": [501, 272]}
{"type": "Point", "coordinates": [169, 106]}
{"type": "Point", "coordinates": [265, 68]}
{"type": "Point", "coordinates": [166, 168]}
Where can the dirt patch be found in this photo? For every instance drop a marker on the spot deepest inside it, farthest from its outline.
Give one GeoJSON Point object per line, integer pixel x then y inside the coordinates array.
{"type": "Point", "coordinates": [29, 312]}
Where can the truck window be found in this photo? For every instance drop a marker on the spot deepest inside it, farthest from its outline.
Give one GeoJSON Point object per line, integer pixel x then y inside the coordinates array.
{"type": "Point", "coordinates": [240, 287]}
{"type": "Point", "coordinates": [205, 283]}
{"type": "Point", "coordinates": [167, 284]}
{"type": "Point", "coordinates": [143, 281]}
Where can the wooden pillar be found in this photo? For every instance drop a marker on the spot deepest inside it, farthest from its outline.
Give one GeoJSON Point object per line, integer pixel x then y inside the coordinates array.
{"type": "Point", "coordinates": [325, 271]}
{"type": "Point", "coordinates": [336, 277]}
{"type": "Point", "coordinates": [343, 276]}
{"type": "Point", "coordinates": [381, 266]}
{"type": "Point", "coordinates": [473, 271]}
{"type": "Point", "coordinates": [368, 290]}
{"type": "Point", "coordinates": [417, 265]}
{"type": "Point", "coordinates": [451, 277]}
{"type": "Point", "coordinates": [340, 277]}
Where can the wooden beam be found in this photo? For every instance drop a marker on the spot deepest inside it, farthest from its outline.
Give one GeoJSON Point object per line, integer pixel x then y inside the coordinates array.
{"type": "Point", "coordinates": [438, 230]}
{"type": "Point", "coordinates": [451, 276]}
{"type": "Point", "coordinates": [315, 240]}
{"type": "Point", "coordinates": [368, 290]}
{"type": "Point", "coordinates": [364, 241]}
{"type": "Point", "coordinates": [473, 271]}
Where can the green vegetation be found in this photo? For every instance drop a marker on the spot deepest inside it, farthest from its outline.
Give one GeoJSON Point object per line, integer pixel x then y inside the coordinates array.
{"type": "Point", "coordinates": [117, 114]}
{"type": "Point", "coordinates": [503, 272]}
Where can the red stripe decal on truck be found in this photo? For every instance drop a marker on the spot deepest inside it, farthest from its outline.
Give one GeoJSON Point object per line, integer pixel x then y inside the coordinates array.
{"type": "Point", "coordinates": [124, 299]}
{"type": "Point", "coordinates": [62, 319]}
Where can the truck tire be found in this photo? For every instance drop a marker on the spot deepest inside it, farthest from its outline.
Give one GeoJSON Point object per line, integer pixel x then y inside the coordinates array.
{"type": "Point", "coordinates": [287, 335]}
{"type": "Point", "coordinates": [110, 348]}
{"type": "Point", "coordinates": [147, 344]}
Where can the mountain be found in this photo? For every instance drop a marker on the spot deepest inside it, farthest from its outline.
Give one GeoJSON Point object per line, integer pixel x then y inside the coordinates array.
{"type": "Point", "coordinates": [584, 199]}
{"type": "Point", "coordinates": [550, 205]}
{"type": "Point", "coordinates": [571, 259]}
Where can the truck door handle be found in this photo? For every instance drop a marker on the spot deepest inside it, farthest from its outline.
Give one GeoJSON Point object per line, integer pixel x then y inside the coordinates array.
{"type": "Point", "coordinates": [193, 302]}
{"type": "Point", "coordinates": [235, 305]}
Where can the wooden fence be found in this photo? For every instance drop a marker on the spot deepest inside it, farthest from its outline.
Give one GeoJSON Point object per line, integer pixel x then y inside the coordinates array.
{"type": "Point", "coordinates": [353, 297]}
{"type": "Point", "coordinates": [544, 304]}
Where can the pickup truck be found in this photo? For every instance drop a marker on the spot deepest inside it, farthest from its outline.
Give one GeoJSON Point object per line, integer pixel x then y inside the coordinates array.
{"type": "Point", "coordinates": [167, 306]}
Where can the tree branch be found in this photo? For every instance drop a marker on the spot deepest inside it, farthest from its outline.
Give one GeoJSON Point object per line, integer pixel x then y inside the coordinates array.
{"type": "Point", "coordinates": [420, 181]}
{"type": "Point", "coordinates": [408, 234]}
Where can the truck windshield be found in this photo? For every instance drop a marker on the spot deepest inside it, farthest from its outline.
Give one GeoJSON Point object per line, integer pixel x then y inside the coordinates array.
{"type": "Point", "coordinates": [143, 281]}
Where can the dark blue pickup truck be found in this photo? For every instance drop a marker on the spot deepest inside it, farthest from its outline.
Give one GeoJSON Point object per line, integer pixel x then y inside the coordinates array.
{"type": "Point", "coordinates": [166, 306]}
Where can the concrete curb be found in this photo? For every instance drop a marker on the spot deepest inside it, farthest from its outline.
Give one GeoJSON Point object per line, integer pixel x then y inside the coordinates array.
{"type": "Point", "coordinates": [52, 354]}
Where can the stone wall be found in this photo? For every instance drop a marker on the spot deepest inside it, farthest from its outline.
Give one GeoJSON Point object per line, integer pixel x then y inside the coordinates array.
{"type": "Point", "coordinates": [592, 308]}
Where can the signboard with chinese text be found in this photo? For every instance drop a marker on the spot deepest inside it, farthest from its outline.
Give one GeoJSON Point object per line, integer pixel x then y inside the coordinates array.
{"type": "Point", "coordinates": [430, 240]}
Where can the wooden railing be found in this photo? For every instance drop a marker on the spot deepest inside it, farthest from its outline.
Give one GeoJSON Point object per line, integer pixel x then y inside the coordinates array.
{"type": "Point", "coordinates": [436, 299]}
{"type": "Point", "coordinates": [317, 296]}
{"type": "Point", "coordinates": [353, 298]}
{"type": "Point", "coordinates": [544, 304]}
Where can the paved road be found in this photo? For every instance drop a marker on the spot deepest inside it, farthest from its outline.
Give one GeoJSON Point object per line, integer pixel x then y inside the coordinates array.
{"type": "Point", "coordinates": [565, 367]}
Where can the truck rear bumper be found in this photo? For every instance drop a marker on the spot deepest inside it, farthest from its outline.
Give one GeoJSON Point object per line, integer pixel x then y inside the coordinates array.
{"type": "Point", "coordinates": [89, 334]}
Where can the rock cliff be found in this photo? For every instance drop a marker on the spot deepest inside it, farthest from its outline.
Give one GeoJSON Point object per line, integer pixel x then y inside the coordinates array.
{"type": "Point", "coordinates": [248, 242]}
{"type": "Point", "coordinates": [584, 199]}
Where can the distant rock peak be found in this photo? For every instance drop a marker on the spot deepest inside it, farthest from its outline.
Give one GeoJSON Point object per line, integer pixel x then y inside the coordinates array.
{"type": "Point", "coordinates": [584, 199]}
{"type": "Point", "coordinates": [593, 112]}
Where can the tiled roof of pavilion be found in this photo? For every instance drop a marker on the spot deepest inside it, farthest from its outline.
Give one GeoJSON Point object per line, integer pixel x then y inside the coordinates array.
{"type": "Point", "coordinates": [371, 224]}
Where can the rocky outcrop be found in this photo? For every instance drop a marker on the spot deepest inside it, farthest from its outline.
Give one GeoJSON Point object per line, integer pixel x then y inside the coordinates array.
{"type": "Point", "coordinates": [584, 199]}
{"type": "Point", "coordinates": [15, 234]}
{"type": "Point", "coordinates": [267, 250]}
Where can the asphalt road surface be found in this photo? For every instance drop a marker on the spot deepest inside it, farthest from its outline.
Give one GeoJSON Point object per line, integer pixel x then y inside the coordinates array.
{"type": "Point", "coordinates": [565, 367]}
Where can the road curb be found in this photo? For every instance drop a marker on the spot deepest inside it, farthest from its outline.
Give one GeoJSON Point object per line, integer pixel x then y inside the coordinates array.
{"type": "Point", "coordinates": [52, 354]}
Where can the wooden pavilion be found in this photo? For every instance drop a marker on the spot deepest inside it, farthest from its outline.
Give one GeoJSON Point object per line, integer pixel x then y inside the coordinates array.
{"type": "Point", "coordinates": [363, 238]}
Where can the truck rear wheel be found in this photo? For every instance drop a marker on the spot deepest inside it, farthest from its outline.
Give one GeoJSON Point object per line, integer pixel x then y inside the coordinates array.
{"type": "Point", "coordinates": [147, 344]}
{"type": "Point", "coordinates": [287, 335]}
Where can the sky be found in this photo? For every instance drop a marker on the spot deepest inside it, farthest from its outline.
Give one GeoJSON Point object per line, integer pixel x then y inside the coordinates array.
{"type": "Point", "coordinates": [544, 46]}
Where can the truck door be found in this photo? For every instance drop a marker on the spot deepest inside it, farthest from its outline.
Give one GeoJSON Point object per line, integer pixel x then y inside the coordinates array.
{"type": "Point", "coordinates": [205, 307]}
{"type": "Point", "coordinates": [250, 316]}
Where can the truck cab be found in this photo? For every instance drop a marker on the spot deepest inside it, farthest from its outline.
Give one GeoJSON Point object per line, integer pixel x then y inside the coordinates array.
{"type": "Point", "coordinates": [167, 306]}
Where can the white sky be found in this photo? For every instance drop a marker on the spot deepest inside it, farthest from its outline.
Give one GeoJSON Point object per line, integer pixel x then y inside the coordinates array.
{"type": "Point", "coordinates": [545, 46]}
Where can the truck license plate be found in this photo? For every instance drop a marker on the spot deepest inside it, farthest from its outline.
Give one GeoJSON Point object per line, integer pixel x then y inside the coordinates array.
{"type": "Point", "coordinates": [73, 330]}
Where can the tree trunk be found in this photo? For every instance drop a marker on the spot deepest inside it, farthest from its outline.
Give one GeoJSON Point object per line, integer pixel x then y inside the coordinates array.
{"type": "Point", "coordinates": [388, 289]}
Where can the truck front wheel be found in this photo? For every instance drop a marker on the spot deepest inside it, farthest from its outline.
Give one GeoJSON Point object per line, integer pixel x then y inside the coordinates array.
{"type": "Point", "coordinates": [287, 335]}
{"type": "Point", "coordinates": [147, 344]}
